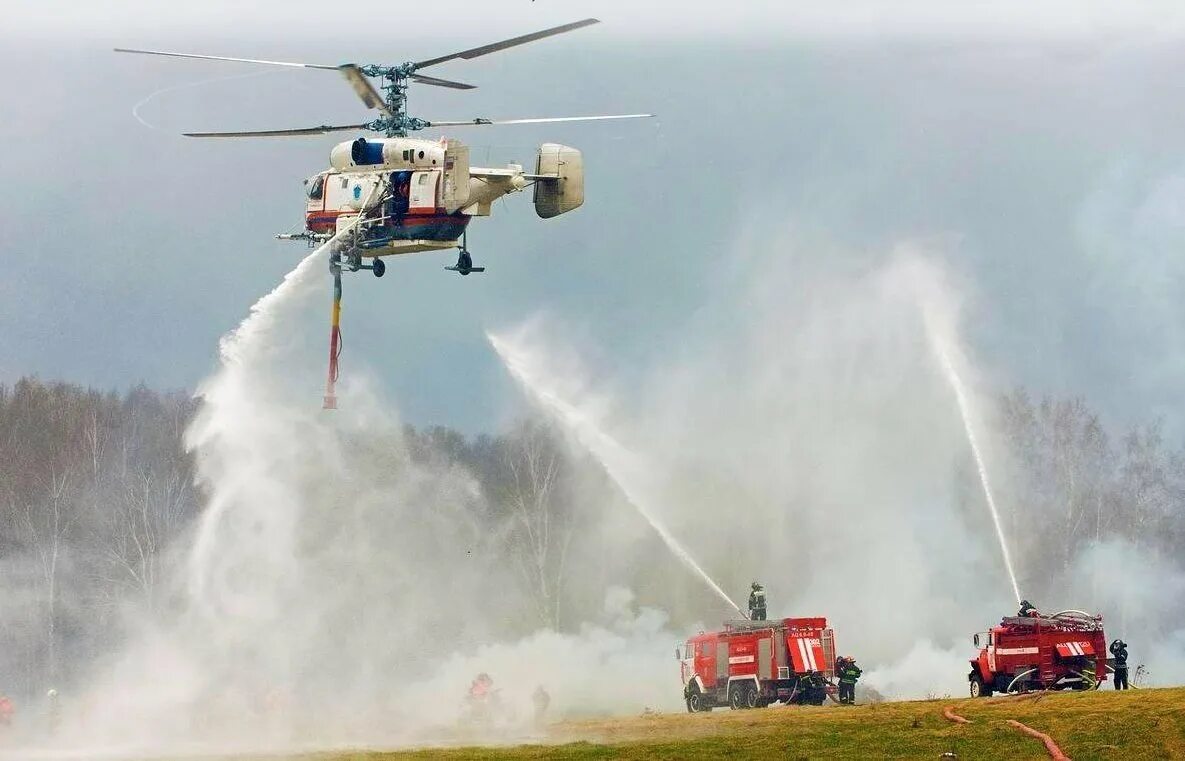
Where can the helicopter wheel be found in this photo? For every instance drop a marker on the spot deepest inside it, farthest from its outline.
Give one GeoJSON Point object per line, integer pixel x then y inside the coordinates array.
{"type": "Point", "coordinates": [379, 267]}
{"type": "Point", "coordinates": [464, 262]}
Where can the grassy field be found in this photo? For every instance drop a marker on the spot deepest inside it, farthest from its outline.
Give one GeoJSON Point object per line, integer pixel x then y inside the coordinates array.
{"type": "Point", "coordinates": [1147, 723]}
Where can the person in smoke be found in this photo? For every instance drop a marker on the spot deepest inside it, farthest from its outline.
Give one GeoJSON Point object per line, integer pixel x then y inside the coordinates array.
{"type": "Point", "coordinates": [1027, 610]}
{"type": "Point", "coordinates": [480, 698]}
{"type": "Point", "coordinates": [757, 603]}
{"type": "Point", "coordinates": [542, 700]}
{"type": "Point", "coordinates": [848, 677]}
{"type": "Point", "coordinates": [1119, 651]}
{"type": "Point", "coordinates": [479, 689]}
{"type": "Point", "coordinates": [7, 709]}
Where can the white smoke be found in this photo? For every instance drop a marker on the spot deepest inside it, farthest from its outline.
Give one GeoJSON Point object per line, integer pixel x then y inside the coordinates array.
{"type": "Point", "coordinates": [1143, 596]}
{"type": "Point", "coordinates": [335, 592]}
{"type": "Point", "coordinates": [925, 671]}
{"type": "Point", "coordinates": [624, 467]}
{"type": "Point", "coordinates": [805, 435]}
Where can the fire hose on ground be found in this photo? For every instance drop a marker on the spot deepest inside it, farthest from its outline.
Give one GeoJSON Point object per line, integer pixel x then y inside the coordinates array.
{"type": "Point", "coordinates": [1054, 752]}
{"type": "Point", "coordinates": [950, 715]}
{"type": "Point", "coordinates": [1051, 747]}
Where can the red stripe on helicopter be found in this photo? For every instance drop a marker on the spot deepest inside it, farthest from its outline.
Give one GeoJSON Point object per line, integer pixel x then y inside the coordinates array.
{"type": "Point", "coordinates": [410, 220]}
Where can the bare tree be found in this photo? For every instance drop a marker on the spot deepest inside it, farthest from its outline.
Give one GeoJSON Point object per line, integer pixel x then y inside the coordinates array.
{"type": "Point", "coordinates": [46, 528]}
{"type": "Point", "coordinates": [542, 525]}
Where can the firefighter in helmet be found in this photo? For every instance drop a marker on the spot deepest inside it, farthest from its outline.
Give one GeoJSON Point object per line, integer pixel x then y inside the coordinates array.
{"type": "Point", "coordinates": [1119, 651]}
{"type": "Point", "coordinates": [848, 676]}
{"type": "Point", "coordinates": [757, 603]}
{"type": "Point", "coordinates": [1027, 609]}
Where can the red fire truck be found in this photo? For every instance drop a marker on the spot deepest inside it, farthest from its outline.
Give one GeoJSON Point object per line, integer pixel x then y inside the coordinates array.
{"type": "Point", "coordinates": [1066, 650]}
{"type": "Point", "coordinates": [750, 664]}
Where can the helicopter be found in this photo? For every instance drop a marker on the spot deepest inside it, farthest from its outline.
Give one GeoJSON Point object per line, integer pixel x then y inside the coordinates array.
{"type": "Point", "coordinates": [404, 195]}
{"type": "Point", "coordinates": [398, 194]}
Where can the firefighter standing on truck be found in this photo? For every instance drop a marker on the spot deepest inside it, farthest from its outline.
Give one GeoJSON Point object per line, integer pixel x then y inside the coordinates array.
{"type": "Point", "coordinates": [1119, 650]}
{"type": "Point", "coordinates": [848, 675]}
{"type": "Point", "coordinates": [757, 603]}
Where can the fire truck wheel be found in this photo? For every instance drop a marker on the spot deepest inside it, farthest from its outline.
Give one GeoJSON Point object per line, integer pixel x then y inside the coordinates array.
{"type": "Point", "coordinates": [979, 689]}
{"type": "Point", "coordinates": [696, 702]}
{"type": "Point", "coordinates": [742, 696]}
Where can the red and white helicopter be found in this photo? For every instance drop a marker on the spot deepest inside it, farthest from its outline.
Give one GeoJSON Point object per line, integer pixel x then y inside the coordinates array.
{"type": "Point", "coordinates": [399, 195]}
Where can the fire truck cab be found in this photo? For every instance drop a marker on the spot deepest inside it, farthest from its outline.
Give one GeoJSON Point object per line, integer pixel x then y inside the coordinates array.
{"type": "Point", "coordinates": [750, 664]}
{"type": "Point", "coordinates": [1067, 650]}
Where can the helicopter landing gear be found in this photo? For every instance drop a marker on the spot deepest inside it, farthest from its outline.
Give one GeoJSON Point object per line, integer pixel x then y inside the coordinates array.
{"type": "Point", "coordinates": [349, 258]}
{"type": "Point", "coordinates": [464, 263]}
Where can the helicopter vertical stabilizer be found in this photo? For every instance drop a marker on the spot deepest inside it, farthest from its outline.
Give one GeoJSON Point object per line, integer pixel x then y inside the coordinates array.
{"type": "Point", "coordinates": [455, 193]}
{"type": "Point", "coordinates": [563, 192]}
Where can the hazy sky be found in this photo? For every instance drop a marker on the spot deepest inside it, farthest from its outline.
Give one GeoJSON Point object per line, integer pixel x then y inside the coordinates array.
{"type": "Point", "coordinates": [1041, 146]}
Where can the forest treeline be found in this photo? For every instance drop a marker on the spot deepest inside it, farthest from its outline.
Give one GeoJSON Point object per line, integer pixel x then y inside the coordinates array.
{"type": "Point", "coordinates": [96, 494]}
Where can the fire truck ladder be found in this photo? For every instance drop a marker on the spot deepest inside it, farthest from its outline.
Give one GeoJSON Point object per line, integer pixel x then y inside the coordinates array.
{"type": "Point", "coordinates": [1046, 674]}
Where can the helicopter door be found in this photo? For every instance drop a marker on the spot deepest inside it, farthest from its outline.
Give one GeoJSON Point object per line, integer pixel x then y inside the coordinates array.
{"type": "Point", "coordinates": [423, 192]}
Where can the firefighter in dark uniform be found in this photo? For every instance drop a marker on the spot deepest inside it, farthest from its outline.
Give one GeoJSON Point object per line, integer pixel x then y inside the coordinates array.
{"type": "Point", "coordinates": [1027, 609]}
{"type": "Point", "coordinates": [1119, 650]}
{"type": "Point", "coordinates": [848, 675]}
{"type": "Point", "coordinates": [757, 603]}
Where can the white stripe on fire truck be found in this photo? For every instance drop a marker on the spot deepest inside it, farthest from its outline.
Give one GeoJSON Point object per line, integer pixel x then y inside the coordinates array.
{"type": "Point", "coordinates": [1016, 651]}
{"type": "Point", "coordinates": [808, 655]}
{"type": "Point", "coordinates": [740, 659]}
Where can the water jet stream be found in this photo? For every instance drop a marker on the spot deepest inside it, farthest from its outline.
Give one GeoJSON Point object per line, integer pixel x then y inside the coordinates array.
{"type": "Point", "coordinates": [952, 375]}
{"type": "Point", "coordinates": [618, 461]}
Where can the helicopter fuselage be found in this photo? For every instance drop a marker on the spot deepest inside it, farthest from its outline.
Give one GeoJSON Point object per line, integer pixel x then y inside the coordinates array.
{"type": "Point", "coordinates": [419, 195]}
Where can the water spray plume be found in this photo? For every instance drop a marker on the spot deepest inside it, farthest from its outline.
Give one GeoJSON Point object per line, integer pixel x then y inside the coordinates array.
{"type": "Point", "coordinates": [938, 341]}
{"type": "Point", "coordinates": [616, 459]}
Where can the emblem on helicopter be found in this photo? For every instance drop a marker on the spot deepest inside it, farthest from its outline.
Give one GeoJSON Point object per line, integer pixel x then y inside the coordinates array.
{"type": "Point", "coordinates": [397, 194]}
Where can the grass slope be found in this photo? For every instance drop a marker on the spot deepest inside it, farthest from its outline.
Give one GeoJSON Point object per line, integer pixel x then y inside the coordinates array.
{"type": "Point", "coordinates": [1148, 723]}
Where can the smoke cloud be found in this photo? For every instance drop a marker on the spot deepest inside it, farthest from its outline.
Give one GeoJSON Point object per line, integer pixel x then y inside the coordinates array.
{"type": "Point", "coordinates": [799, 431]}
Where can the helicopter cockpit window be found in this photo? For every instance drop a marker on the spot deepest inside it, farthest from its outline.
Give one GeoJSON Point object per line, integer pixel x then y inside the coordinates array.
{"type": "Point", "coordinates": [316, 188]}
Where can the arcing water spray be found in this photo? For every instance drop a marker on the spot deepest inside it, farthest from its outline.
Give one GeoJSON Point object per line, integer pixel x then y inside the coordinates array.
{"type": "Point", "coordinates": [939, 342]}
{"type": "Point", "coordinates": [618, 462]}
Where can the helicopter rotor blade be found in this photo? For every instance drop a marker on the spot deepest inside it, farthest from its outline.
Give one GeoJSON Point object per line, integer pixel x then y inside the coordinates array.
{"type": "Point", "coordinates": [479, 122]}
{"type": "Point", "coordinates": [494, 47]}
{"type": "Point", "coordinates": [441, 82]}
{"type": "Point", "coordinates": [363, 88]}
{"type": "Point", "coordinates": [323, 129]}
{"type": "Point", "coordinates": [225, 58]}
